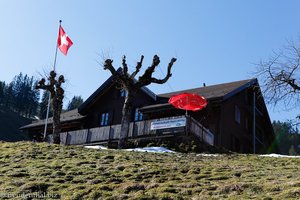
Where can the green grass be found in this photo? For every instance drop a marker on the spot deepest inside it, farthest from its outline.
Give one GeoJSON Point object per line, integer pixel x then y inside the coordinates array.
{"type": "Point", "coordinates": [69, 172]}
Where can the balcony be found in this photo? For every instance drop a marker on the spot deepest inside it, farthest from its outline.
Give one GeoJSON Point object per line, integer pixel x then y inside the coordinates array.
{"type": "Point", "coordinates": [154, 128]}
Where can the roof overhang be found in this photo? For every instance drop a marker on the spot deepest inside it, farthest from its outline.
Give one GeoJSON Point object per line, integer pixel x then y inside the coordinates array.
{"type": "Point", "coordinates": [68, 117]}
{"type": "Point", "coordinates": [156, 108]}
{"type": "Point", "coordinates": [241, 88]}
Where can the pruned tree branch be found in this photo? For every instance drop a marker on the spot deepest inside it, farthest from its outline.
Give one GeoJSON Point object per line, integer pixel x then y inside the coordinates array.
{"type": "Point", "coordinates": [108, 65]}
{"type": "Point", "coordinates": [145, 79]}
{"type": "Point", "coordinates": [138, 67]}
{"type": "Point", "coordinates": [125, 67]}
{"type": "Point", "coordinates": [169, 74]}
{"type": "Point", "coordinates": [281, 75]}
{"type": "Point", "coordinates": [41, 85]}
{"type": "Point", "coordinates": [119, 77]}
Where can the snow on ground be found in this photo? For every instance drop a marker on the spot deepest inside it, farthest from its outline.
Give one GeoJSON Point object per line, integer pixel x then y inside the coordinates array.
{"type": "Point", "coordinates": [152, 150]}
{"type": "Point", "coordinates": [165, 150]}
{"type": "Point", "coordinates": [207, 155]}
{"type": "Point", "coordinates": [145, 149]}
{"type": "Point", "coordinates": [95, 147]}
{"type": "Point", "coordinates": [279, 156]}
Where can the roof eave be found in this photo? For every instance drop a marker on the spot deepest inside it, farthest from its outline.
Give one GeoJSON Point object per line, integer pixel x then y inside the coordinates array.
{"type": "Point", "coordinates": [38, 124]}
{"type": "Point", "coordinates": [239, 89]}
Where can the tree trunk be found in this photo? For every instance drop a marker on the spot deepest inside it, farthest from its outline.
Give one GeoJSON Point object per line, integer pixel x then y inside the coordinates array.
{"type": "Point", "coordinates": [57, 96]}
{"type": "Point", "coordinates": [126, 116]}
{"type": "Point", "coordinates": [56, 122]}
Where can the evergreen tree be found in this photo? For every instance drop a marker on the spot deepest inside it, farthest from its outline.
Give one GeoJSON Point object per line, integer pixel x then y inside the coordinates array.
{"type": "Point", "coordinates": [2, 88]}
{"type": "Point", "coordinates": [287, 137]}
{"type": "Point", "coordinates": [33, 98]}
{"type": "Point", "coordinates": [20, 95]}
{"type": "Point", "coordinates": [25, 97]}
{"type": "Point", "coordinates": [74, 103]}
{"type": "Point", "coordinates": [9, 96]}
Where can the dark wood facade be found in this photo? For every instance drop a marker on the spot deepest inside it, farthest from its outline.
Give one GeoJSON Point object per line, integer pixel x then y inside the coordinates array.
{"type": "Point", "coordinates": [110, 104]}
{"type": "Point", "coordinates": [236, 114]}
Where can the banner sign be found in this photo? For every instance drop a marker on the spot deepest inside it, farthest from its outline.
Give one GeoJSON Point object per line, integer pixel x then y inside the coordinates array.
{"type": "Point", "coordinates": [168, 123]}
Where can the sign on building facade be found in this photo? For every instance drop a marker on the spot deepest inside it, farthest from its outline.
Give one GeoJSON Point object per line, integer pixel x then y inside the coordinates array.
{"type": "Point", "coordinates": [168, 123]}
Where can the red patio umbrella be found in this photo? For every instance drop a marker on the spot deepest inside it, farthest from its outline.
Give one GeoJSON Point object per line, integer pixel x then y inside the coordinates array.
{"type": "Point", "coordinates": [188, 101]}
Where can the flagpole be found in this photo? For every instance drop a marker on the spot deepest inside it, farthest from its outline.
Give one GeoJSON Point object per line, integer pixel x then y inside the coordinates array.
{"type": "Point", "coordinates": [49, 99]}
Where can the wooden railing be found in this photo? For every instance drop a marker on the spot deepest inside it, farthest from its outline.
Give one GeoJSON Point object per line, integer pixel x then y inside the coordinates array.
{"type": "Point", "coordinates": [141, 129]}
{"type": "Point", "coordinates": [201, 132]}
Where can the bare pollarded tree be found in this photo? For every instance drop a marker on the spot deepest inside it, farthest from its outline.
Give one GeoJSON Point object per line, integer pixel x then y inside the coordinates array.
{"type": "Point", "coordinates": [57, 96]}
{"type": "Point", "coordinates": [131, 86]}
{"type": "Point", "coordinates": [280, 76]}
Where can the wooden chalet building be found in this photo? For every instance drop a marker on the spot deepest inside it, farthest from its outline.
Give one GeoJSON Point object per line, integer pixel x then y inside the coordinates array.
{"type": "Point", "coordinates": [236, 117]}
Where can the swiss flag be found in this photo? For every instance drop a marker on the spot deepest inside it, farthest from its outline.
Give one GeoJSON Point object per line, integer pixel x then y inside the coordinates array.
{"type": "Point", "coordinates": [63, 41]}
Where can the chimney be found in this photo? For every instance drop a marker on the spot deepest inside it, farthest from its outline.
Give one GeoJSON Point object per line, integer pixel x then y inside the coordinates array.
{"type": "Point", "coordinates": [204, 85]}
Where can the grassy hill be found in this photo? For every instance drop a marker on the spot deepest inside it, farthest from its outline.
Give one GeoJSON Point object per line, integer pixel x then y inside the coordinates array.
{"type": "Point", "coordinates": [68, 172]}
{"type": "Point", "coordinates": [10, 122]}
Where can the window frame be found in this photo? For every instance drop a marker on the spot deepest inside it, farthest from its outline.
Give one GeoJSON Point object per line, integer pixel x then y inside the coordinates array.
{"type": "Point", "coordinates": [138, 116]}
{"type": "Point", "coordinates": [104, 119]}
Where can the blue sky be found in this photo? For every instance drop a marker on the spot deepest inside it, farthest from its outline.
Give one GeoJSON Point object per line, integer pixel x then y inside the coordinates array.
{"type": "Point", "coordinates": [215, 41]}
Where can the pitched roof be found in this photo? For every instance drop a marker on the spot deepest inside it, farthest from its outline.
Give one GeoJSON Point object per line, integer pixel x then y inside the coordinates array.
{"type": "Point", "coordinates": [220, 91]}
{"type": "Point", "coordinates": [64, 117]}
{"type": "Point", "coordinates": [101, 90]}
{"type": "Point", "coordinates": [224, 90]}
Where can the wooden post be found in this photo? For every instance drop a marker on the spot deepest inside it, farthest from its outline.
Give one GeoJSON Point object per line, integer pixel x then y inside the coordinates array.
{"type": "Point", "coordinates": [66, 142]}
{"type": "Point", "coordinates": [87, 136]}
{"type": "Point", "coordinates": [202, 138]}
{"type": "Point", "coordinates": [133, 126]}
{"type": "Point", "coordinates": [254, 123]}
{"type": "Point", "coordinates": [187, 123]}
{"type": "Point", "coordinates": [109, 134]}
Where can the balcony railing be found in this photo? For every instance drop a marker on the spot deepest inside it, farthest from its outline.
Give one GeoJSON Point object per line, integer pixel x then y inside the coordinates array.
{"type": "Point", "coordinates": [154, 128]}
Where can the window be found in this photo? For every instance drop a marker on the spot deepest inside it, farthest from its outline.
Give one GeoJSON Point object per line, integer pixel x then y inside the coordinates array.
{"type": "Point", "coordinates": [123, 93]}
{"type": "Point", "coordinates": [104, 119]}
{"type": "Point", "coordinates": [138, 116]}
{"type": "Point", "coordinates": [237, 114]}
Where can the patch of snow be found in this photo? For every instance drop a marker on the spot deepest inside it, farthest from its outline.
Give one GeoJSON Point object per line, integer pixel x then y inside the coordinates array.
{"type": "Point", "coordinates": [152, 150]}
{"type": "Point", "coordinates": [279, 156]}
{"type": "Point", "coordinates": [95, 147]}
{"type": "Point", "coordinates": [145, 149]}
{"type": "Point", "coordinates": [207, 155]}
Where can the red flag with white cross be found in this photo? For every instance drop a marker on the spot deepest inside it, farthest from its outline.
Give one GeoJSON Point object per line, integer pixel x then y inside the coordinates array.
{"type": "Point", "coordinates": [63, 41]}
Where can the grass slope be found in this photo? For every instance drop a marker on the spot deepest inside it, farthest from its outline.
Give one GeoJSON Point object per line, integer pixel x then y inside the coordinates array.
{"type": "Point", "coordinates": [69, 172]}
{"type": "Point", "coordinates": [10, 122]}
